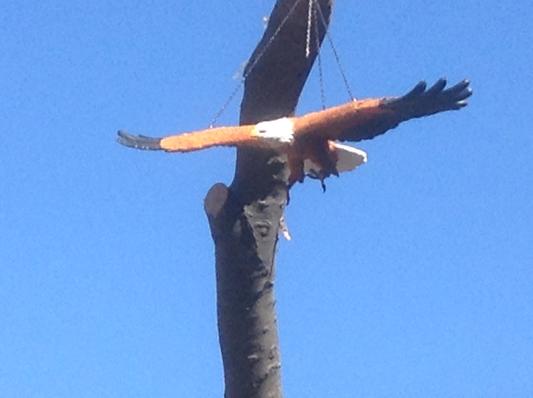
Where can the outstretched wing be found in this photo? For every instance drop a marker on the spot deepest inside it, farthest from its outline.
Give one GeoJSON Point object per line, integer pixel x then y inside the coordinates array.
{"type": "Point", "coordinates": [192, 141]}
{"type": "Point", "coordinates": [270, 134]}
{"type": "Point", "coordinates": [387, 113]}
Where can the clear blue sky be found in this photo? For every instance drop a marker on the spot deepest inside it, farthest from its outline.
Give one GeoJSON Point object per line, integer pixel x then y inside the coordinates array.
{"type": "Point", "coordinates": [411, 277]}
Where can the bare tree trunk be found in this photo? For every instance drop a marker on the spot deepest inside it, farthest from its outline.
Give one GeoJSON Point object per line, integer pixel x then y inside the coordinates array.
{"type": "Point", "coordinates": [245, 217]}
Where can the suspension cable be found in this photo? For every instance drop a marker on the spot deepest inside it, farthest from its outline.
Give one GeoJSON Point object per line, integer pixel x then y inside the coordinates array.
{"type": "Point", "coordinates": [314, 15]}
{"type": "Point", "coordinates": [319, 60]}
{"type": "Point", "coordinates": [310, 9]}
{"type": "Point", "coordinates": [335, 53]}
{"type": "Point", "coordinates": [249, 68]}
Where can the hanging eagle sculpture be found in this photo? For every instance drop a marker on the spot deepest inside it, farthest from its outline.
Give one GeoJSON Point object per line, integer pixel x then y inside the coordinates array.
{"type": "Point", "coordinates": [310, 142]}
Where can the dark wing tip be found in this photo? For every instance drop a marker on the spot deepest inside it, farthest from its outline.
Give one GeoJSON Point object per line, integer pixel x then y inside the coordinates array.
{"type": "Point", "coordinates": [417, 90]}
{"type": "Point", "coordinates": [437, 87]}
{"type": "Point", "coordinates": [138, 141]}
{"type": "Point", "coordinates": [459, 93]}
{"type": "Point", "coordinates": [421, 102]}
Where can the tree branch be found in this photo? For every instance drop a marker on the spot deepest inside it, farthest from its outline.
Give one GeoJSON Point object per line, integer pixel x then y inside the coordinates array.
{"type": "Point", "coordinates": [245, 218]}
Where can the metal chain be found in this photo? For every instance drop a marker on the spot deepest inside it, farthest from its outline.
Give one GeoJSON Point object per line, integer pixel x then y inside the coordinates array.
{"type": "Point", "coordinates": [335, 53]}
{"type": "Point", "coordinates": [250, 68]}
{"type": "Point", "coordinates": [314, 12]}
{"type": "Point", "coordinates": [310, 9]}
{"type": "Point", "coordinates": [319, 60]}
{"type": "Point", "coordinates": [228, 101]}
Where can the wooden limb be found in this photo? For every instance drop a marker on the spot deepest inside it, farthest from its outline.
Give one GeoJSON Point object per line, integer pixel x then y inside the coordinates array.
{"type": "Point", "coordinates": [245, 217]}
{"type": "Point", "coordinates": [245, 237]}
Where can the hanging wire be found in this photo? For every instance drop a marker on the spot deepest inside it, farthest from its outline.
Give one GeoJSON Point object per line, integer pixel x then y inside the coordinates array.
{"type": "Point", "coordinates": [249, 68]}
{"type": "Point", "coordinates": [335, 53]}
{"type": "Point", "coordinates": [319, 60]}
{"type": "Point", "coordinates": [228, 101]}
{"type": "Point", "coordinates": [314, 13]}
{"type": "Point", "coordinates": [310, 9]}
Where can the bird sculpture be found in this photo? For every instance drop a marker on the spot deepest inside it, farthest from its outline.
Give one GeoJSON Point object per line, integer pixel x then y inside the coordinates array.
{"type": "Point", "coordinates": [311, 142]}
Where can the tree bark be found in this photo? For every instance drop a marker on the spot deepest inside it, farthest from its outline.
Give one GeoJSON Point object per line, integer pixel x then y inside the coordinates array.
{"type": "Point", "coordinates": [245, 217]}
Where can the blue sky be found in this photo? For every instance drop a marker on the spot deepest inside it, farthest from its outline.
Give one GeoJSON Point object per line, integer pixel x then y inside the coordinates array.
{"type": "Point", "coordinates": [411, 277]}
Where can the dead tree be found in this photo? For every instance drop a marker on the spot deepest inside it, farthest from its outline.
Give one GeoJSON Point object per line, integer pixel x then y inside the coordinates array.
{"type": "Point", "coordinates": [245, 217]}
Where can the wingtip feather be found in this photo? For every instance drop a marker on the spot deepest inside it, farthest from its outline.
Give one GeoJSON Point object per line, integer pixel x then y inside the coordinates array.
{"type": "Point", "coordinates": [138, 141]}
{"type": "Point", "coordinates": [417, 90]}
{"type": "Point", "coordinates": [437, 87]}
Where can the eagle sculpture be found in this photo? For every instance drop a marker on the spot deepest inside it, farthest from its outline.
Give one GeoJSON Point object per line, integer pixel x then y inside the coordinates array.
{"type": "Point", "coordinates": [310, 142]}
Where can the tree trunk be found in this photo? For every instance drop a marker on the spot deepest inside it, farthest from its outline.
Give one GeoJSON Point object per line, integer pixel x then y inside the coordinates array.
{"type": "Point", "coordinates": [245, 217]}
